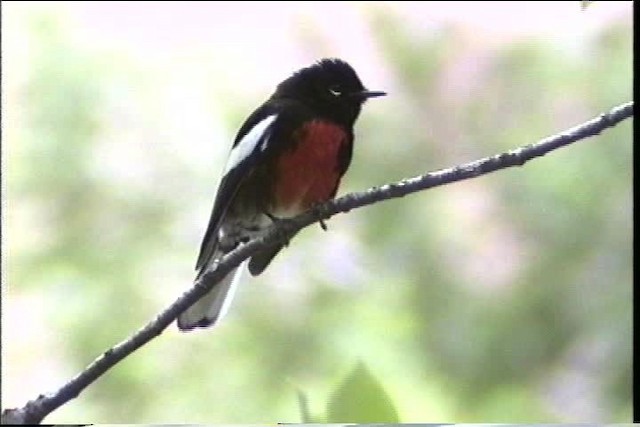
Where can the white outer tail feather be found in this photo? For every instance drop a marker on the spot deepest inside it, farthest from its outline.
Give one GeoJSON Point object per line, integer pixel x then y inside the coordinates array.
{"type": "Point", "coordinates": [213, 306]}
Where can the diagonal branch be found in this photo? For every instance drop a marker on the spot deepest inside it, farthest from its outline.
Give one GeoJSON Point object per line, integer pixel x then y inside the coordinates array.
{"type": "Point", "coordinates": [35, 410]}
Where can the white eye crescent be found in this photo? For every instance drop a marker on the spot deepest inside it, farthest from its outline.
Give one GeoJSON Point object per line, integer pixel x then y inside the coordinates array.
{"type": "Point", "coordinates": [335, 91]}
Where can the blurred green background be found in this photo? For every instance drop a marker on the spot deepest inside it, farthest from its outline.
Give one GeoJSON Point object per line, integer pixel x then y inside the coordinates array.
{"type": "Point", "coordinates": [505, 298]}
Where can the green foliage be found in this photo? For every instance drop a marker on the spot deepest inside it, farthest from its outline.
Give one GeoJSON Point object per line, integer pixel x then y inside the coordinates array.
{"type": "Point", "coordinates": [361, 399]}
{"type": "Point", "coordinates": [305, 413]}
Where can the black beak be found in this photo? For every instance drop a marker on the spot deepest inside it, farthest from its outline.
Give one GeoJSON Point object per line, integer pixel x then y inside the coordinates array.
{"type": "Point", "coordinates": [366, 94]}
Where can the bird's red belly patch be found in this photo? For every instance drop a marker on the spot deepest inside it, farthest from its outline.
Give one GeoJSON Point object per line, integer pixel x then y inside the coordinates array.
{"type": "Point", "coordinates": [308, 174]}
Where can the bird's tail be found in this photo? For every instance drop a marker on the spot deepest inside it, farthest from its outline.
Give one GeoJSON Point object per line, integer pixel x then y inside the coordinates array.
{"type": "Point", "coordinates": [209, 309]}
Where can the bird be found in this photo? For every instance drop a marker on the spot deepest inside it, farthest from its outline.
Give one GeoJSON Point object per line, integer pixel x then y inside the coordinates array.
{"type": "Point", "coordinates": [288, 156]}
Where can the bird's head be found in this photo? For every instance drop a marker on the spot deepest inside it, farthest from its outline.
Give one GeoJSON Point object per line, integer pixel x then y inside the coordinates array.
{"type": "Point", "coordinates": [330, 87]}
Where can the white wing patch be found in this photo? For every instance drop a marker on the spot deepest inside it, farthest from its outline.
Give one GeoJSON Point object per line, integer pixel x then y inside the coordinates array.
{"type": "Point", "coordinates": [248, 143]}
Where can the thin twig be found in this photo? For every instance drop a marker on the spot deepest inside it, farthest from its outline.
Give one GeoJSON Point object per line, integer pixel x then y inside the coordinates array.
{"type": "Point", "coordinates": [35, 410]}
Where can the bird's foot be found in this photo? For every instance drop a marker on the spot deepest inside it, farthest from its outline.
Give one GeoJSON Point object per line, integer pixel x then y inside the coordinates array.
{"type": "Point", "coordinates": [284, 224]}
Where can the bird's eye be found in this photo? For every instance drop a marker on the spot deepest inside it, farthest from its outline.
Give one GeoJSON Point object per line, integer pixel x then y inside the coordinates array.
{"type": "Point", "coordinates": [335, 90]}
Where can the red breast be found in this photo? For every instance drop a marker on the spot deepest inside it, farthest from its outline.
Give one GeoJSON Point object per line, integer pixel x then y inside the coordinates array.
{"type": "Point", "coordinates": [308, 173]}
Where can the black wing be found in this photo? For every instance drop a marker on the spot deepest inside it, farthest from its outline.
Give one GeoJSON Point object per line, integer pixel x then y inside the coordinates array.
{"type": "Point", "coordinates": [235, 174]}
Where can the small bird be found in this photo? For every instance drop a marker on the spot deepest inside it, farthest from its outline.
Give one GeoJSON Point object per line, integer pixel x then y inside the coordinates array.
{"type": "Point", "coordinates": [288, 156]}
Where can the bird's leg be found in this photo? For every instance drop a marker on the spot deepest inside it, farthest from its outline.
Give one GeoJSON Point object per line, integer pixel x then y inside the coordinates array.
{"type": "Point", "coordinates": [323, 224]}
{"type": "Point", "coordinates": [274, 219]}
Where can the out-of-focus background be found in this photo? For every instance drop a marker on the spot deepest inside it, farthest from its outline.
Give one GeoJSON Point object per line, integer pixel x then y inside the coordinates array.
{"type": "Point", "coordinates": [505, 298]}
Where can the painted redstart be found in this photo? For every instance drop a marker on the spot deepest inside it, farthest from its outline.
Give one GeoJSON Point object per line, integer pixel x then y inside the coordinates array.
{"type": "Point", "coordinates": [288, 156]}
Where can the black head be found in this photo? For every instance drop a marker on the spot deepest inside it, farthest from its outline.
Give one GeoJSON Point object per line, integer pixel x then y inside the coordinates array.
{"type": "Point", "coordinates": [330, 87]}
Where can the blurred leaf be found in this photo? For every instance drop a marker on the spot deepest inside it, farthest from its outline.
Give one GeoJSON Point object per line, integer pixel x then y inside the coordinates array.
{"type": "Point", "coordinates": [305, 413]}
{"type": "Point", "coordinates": [361, 399]}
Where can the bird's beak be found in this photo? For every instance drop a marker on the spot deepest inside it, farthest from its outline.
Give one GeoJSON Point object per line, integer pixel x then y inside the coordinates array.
{"type": "Point", "coordinates": [366, 94]}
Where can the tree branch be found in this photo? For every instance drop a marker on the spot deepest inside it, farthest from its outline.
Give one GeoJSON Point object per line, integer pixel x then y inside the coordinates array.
{"type": "Point", "coordinates": [35, 410]}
